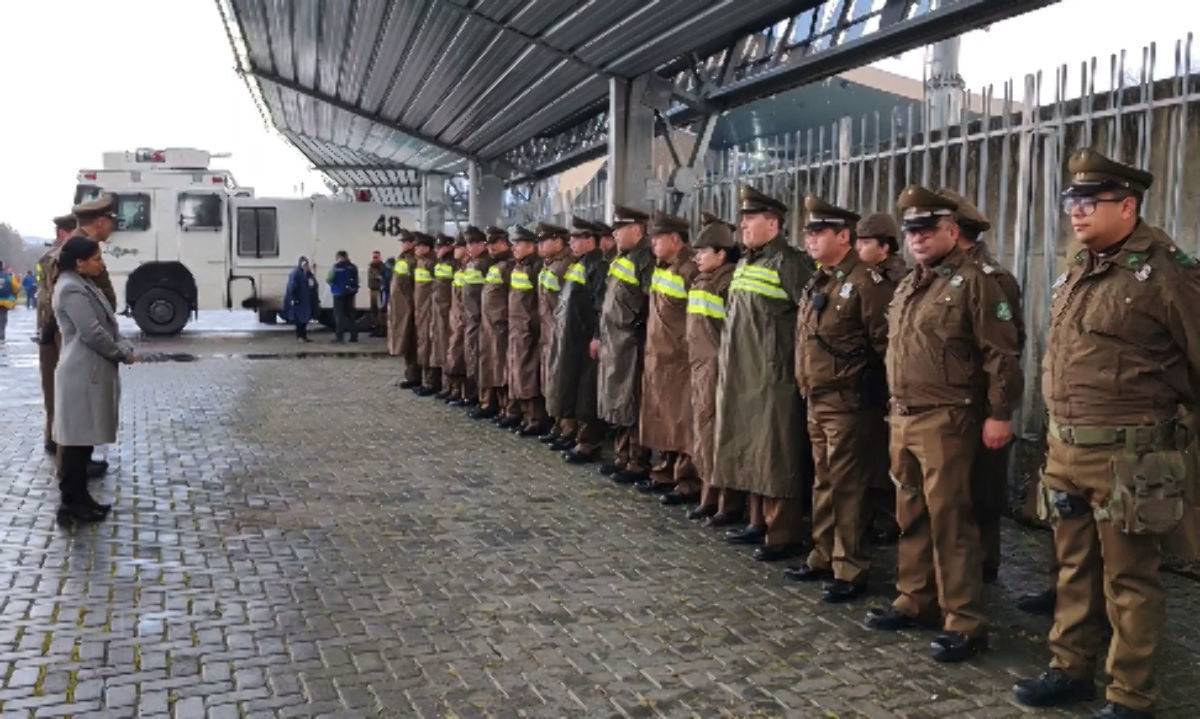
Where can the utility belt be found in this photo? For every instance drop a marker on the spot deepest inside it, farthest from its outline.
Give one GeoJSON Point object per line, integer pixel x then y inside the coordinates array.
{"type": "Point", "coordinates": [1153, 472]}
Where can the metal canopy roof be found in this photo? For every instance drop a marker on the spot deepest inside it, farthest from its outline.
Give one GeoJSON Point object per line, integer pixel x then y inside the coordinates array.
{"type": "Point", "coordinates": [431, 84]}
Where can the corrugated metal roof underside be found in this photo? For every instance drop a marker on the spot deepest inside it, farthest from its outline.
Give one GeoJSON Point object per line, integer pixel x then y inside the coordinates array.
{"type": "Point", "coordinates": [431, 83]}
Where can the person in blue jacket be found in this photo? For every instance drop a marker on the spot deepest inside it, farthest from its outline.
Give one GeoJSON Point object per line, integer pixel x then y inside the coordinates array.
{"type": "Point", "coordinates": [343, 285]}
{"type": "Point", "coordinates": [301, 300]}
{"type": "Point", "coordinates": [29, 284]}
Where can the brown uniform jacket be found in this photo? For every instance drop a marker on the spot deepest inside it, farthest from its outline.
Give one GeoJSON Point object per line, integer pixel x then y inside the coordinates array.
{"type": "Point", "coordinates": [840, 347]}
{"type": "Point", "coordinates": [423, 307]}
{"type": "Point", "coordinates": [493, 331]}
{"type": "Point", "coordinates": [402, 333]}
{"type": "Point", "coordinates": [472, 308]}
{"type": "Point", "coordinates": [550, 280]}
{"type": "Point", "coordinates": [1123, 346]}
{"type": "Point", "coordinates": [375, 276]}
{"type": "Point", "coordinates": [571, 393]}
{"type": "Point", "coordinates": [443, 288]}
{"type": "Point", "coordinates": [894, 268]}
{"type": "Point", "coordinates": [456, 363]}
{"type": "Point", "coordinates": [950, 328]}
{"type": "Point", "coordinates": [665, 420]}
{"type": "Point", "coordinates": [759, 410]}
{"type": "Point", "coordinates": [1008, 283]}
{"type": "Point", "coordinates": [524, 330]}
{"type": "Point", "coordinates": [623, 334]}
{"type": "Point", "coordinates": [705, 321]}
{"type": "Point", "coordinates": [45, 301]}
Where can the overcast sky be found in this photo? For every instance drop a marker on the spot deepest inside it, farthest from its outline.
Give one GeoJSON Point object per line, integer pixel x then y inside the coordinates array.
{"type": "Point", "coordinates": [80, 77]}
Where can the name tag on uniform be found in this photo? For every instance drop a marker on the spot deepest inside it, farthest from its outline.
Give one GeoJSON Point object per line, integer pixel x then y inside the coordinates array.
{"type": "Point", "coordinates": [1143, 273]}
{"type": "Point", "coordinates": [847, 288]}
{"type": "Point", "coordinates": [956, 281]}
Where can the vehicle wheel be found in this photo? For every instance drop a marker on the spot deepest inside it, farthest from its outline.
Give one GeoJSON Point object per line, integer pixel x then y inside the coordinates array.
{"type": "Point", "coordinates": [159, 311]}
{"type": "Point", "coordinates": [267, 317]}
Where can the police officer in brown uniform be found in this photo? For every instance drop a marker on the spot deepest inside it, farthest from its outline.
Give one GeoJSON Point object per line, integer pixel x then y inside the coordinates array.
{"type": "Point", "coordinates": [455, 367]}
{"type": "Point", "coordinates": [665, 418]}
{"type": "Point", "coordinates": [376, 276]}
{"type": "Point", "coordinates": [493, 329]}
{"type": "Point", "coordinates": [402, 329]}
{"type": "Point", "coordinates": [990, 475]}
{"type": "Point", "coordinates": [431, 379]}
{"type": "Point", "coordinates": [556, 259]}
{"type": "Point", "coordinates": [478, 263]}
{"type": "Point", "coordinates": [716, 256]}
{"type": "Point", "coordinates": [761, 437]}
{"type": "Point", "coordinates": [1122, 353]}
{"type": "Point", "coordinates": [608, 243]}
{"type": "Point", "coordinates": [572, 392]}
{"type": "Point", "coordinates": [621, 339]}
{"type": "Point", "coordinates": [64, 226]}
{"type": "Point", "coordinates": [439, 331]}
{"type": "Point", "coordinates": [952, 351]}
{"type": "Point", "coordinates": [524, 338]}
{"type": "Point", "coordinates": [841, 340]}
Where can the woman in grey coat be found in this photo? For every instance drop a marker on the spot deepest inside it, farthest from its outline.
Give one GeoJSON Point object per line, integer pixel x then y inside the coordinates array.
{"type": "Point", "coordinates": [87, 383]}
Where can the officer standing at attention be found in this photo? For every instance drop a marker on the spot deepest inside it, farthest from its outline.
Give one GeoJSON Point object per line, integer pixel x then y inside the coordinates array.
{"type": "Point", "coordinates": [375, 278]}
{"type": "Point", "coordinates": [761, 437]}
{"type": "Point", "coordinates": [493, 330]}
{"type": "Point", "coordinates": [878, 245]}
{"type": "Point", "coordinates": [608, 243]}
{"type": "Point", "coordinates": [431, 379]}
{"type": "Point", "coordinates": [478, 263]}
{"type": "Point", "coordinates": [455, 367]}
{"type": "Point", "coordinates": [666, 409]}
{"type": "Point", "coordinates": [443, 288]}
{"type": "Point", "coordinates": [841, 340]}
{"type": "Point", "coordinates": [556, 259]}
{"type": "Point", "coordinates": [1121, 353]}
{"type": "Point", "coordinates": [621, 340]}
{"type": "Point", "coordinates": [952, 351]}
{"type": "Point", "coordinates": [48, 342]}
{"type": "Point", "coordinates": [524, 348]}
{"type": "Point", "coordinates": [989, 478]}
{"type": "Point", "coordinates": [402, 332]}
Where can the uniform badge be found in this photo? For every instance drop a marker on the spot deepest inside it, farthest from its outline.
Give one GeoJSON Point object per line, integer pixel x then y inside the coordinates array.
{"type": "Point", "coordinates": [1060, 281]}
{"type": "Point", "coordinates": [847, 288]}
{"type": "Point", "coordinates": [1003, 312]}
{"type": "Point", "coordinates": [1184, 258]}
{"type": "Point", "coordinates": [988, 269]}
{"type": "Point", "coordinates": [956, 281]}
{"type": "Point", "coordinates": [875, 276]}
{"type": "Point", "coordinates": [1143, 273]}
{"type": "Point", "coordinates": [839, 274]}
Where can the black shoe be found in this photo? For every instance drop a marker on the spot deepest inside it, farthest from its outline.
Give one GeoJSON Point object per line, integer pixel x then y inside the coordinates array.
{"type": "Point", "coordinates": [535, 431]}
{"type": "Point", "coordinates": [457, 402]}
{"type": "Point", "coordinates": [79, 513]}
{"type": "Point", "coordinates": [840, 591]}
{"type": "Point", "coordinates": [550, 438]}
{"type": "Point", "coordinates": [51, 447]}
{"type": "Point", "coordinates": [885, 537]}
{"type": "Point", "coordinates": [954, 647]}
{"type": "Point", "coordinates": [721, 519]}
{"type": "Point", "coordinates": [776, 552]}
{"type": "Point", "coordinates": [484, 413]}
{"type": "Point", "coordinates": [623, 477]}
{"type": "Point", "coordinates": [425, 391]}
{"type": "Point", "coordinates": [806, 573]}
{"type": "Point", "coordinates": [572, 457]}
{"type": "Point", "coordinates": [510, 422]}
{"type": "Point", "coordinates": [991, 574]}
{"type": "Point", "coordinates": [889, 620]}
{"type": "Point", "coordinates": [408, 383]}
{"type": "Point", "coordinates": [701, 512]}
{"type": "Point", "coordinates": [562, 444]}
{"type": "Point", "coordinates": [1113, 710]}
{"type": "Point", "coordinates": [443, 396]}
{"type": "Point", "coordinates": [1038, 603]}
{"type": "Point", "coordinates": [96, 469]}
{"type": "Point", "coordinates": [749, 534]}
{"type": "Point", "coordinates": [649, 485]}
{"type": "Point", "coordinates": [1053, 688]}
{"type": "Point", "coordinates": [608, 469]}
{"type": "Point", "coordinates": [674, 499]}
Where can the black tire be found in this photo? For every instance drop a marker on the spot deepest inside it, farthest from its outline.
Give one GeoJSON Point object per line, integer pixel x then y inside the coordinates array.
{"type": "Point", "coordinates": [267, 317]}
{"type": "Point", "coordinates": [160, 311]}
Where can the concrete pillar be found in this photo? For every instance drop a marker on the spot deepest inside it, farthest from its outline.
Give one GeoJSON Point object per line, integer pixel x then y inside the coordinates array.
{"type": "Point", "coordinates": [487, 192]}
{"type": "Point", "coordinates": [433, 202]}
{"type": "Point", "coordinates": [630, 143]}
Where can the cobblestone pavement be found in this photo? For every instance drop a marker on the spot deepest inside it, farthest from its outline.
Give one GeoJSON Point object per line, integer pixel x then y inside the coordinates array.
{"type": "Point", "coordinates": [298, 538]}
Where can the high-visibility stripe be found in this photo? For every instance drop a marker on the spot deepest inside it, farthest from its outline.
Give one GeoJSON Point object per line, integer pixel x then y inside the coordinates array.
{"type": "Point", "coordinates": [495, 276]}
{"type": "Point", "coordinates": [519, 280]}
{"type": "Point", "coordinates": [423, 275]}
{"type": "Point", "coordinates": [705, 303]}
{"type": "Point", "coordinates": [401, 267]}
{"type": "Point", "coordinates": [575, 273]}
{"type": "Point", "coordinates": [458, 278]}
{"type": "Point", "coordinates": [472, 276]}
{"type": "Point", "coordinates": [666, 282]}
{"type": "Point", "coordinates": [623, 269]}
{"type": "Point", "coordinates": [759, 280]}
{"type": "Point", "coordinates": [548, 280]}
{"type": "Point", "coordinates": [444, 271]}
{"type": "Point", "coordinates": [755, 272]}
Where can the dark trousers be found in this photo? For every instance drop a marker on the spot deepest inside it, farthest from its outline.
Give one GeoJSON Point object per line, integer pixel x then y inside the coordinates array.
{"type": "Point", "coordinates": [73, 473]}
{"type": "Point", "coordinates": [343, 318]}
{"type": "Point", "coordinates": [302, 330]}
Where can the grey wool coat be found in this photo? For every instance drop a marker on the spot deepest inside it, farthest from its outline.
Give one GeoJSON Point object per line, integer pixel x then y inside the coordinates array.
{"type": "Point", "coordinates": [87, 382]}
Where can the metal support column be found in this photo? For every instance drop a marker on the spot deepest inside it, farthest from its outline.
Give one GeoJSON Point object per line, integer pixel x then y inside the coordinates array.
{"type": "Point", "coordinates": [433, 202]}
{"type": "Point", "coordinates": [487, 191]}
{"type": "Point", "coordinates": [630, 143]}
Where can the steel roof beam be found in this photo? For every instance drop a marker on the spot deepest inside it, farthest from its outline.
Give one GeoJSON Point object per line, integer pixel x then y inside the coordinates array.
{"type": "Point", "coordinates": [357, 111]}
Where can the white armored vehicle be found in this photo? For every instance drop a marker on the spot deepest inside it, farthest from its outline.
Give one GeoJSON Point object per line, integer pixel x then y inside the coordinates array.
{"type": "Point", "coordinates": [188, 238]}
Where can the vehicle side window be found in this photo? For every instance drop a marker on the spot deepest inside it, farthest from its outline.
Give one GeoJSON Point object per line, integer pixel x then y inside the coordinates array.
{"type": "Point", "coordinates": [200, 211]}
{"type": "Point", "coordinates": [133, 212]}
{"type": "Point", "coordinates": [257, 232]}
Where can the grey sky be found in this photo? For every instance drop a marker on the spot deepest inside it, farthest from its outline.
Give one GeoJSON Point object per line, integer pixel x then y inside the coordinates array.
{"type": "Point", "coordinates": [81, 77]}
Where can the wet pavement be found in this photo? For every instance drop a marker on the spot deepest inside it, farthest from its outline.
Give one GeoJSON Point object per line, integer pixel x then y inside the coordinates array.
{"type": "Point", "coordinates": [296, 537]}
